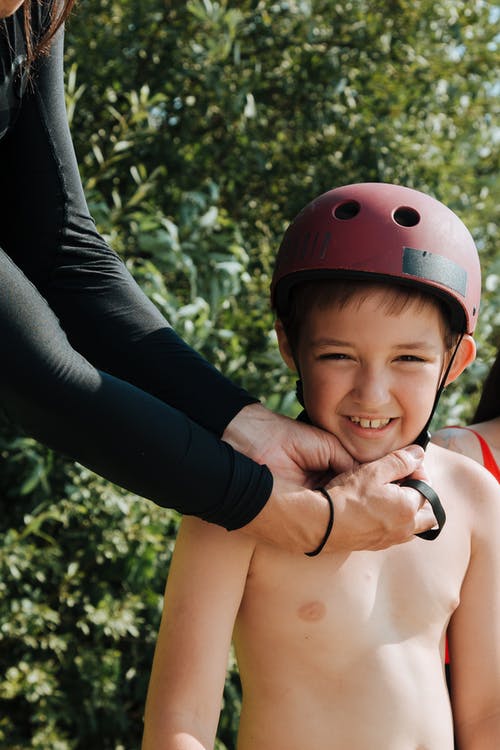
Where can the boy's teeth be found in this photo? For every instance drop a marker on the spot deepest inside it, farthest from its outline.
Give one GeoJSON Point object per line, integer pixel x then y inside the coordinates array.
{"type": "Point", "coordinates": [373, 423]}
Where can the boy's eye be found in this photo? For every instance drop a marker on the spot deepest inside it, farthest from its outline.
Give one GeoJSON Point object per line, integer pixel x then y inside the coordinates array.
{"type": "Point", "coordinates": [334, 355]}
{"type": "Point", "coordinates": [410, 358]}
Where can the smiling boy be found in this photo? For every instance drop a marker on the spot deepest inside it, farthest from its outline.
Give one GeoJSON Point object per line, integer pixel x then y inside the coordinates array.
{"type": "Point", "coordinates": [376, 290]}
{"type": "Point", "coordinates": [370, 366]}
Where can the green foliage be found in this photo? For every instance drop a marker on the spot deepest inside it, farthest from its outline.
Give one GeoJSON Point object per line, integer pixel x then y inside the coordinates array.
{"type": "Point", "coordinates": [202, 127]}
{"type": "Point", "coordinates": [82, 568]}
{"type": "Point", "coordinates": [231, 117]}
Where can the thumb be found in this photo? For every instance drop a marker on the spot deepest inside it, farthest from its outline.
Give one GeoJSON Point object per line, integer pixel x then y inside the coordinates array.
{"type": "Point", "coordinates": [398, 464]}
{"type": "Point", "coordinates": [340, 460]}
{"type": "Point", "coordinates": [322, 451]}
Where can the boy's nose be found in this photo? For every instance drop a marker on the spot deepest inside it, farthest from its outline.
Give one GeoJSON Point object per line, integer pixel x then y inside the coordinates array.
{"type": "Point", "coordinates": [371, 388]}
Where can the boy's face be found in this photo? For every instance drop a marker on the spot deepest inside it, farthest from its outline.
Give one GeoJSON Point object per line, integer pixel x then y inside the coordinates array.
{"type": "Point", "coordinates": [368, 376]}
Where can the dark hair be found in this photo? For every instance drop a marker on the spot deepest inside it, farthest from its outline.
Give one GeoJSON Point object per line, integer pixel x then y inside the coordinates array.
{"type": "Point", "coordinates": [58, 15]}
{"type": "Point", "coordinates": [322, 293]}
{"type": "Point", "coordinates": [489, 403]}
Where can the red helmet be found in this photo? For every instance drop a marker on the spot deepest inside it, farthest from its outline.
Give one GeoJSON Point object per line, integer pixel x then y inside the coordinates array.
{"type": "Point", "coordinates": [384, 232]}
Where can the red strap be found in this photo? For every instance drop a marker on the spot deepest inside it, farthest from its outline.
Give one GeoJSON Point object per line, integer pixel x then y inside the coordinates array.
{"type": "Point", "coordinates": [488, 458]}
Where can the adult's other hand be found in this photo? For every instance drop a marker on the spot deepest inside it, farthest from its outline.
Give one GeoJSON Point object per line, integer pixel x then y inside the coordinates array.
{"type": "Point", "coordinates": [372, 511]}
{"type": "Point", "coordinates": [293, 451]}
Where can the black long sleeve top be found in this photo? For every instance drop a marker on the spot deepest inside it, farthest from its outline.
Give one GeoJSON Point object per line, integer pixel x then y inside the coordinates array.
{"type": "Point", "coordinates": [88, 365]}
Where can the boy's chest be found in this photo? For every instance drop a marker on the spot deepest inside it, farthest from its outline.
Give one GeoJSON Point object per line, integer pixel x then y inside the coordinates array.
{"type": "Point", "coordinates": [364, 599]}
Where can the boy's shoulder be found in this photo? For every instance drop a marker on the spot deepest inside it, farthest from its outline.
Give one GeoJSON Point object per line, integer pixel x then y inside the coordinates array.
{"type": "Point", "coordinates": [463, 480]}
{"type": "Point", "coordinates": [460, 440]}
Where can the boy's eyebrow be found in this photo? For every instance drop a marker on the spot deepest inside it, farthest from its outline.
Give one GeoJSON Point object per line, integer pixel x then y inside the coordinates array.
{"type": "Point", "coordinates": [328, 341]}
{"type": "Point", "coordinates": [415, 345]}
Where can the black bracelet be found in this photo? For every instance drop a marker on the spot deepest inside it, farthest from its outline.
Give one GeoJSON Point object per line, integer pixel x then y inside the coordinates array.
{"type": "Point", "coordinates": [329, 527]}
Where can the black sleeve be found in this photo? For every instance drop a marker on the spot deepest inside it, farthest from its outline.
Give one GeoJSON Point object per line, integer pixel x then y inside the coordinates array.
{"type": "Point", "coordinates": [51, 236]}
{"type": "Point", "coordinates": [97, 373]}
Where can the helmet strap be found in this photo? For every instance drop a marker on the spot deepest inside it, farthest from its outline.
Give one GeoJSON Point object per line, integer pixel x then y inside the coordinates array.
{"type": "Point", "coordinates": [425, 435]}
{"type": "Point", "coordinates": [299, 392]}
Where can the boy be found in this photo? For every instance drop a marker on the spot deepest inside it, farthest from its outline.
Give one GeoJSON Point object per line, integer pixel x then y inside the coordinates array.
{"type": "Point", "coordinates": [376, 289]}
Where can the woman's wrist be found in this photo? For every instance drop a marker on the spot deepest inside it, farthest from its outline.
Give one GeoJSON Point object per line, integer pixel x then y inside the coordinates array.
{"type": "Point", "coordinates": [245, 431]}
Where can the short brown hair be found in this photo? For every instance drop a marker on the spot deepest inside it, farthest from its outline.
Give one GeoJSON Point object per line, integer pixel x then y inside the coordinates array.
{"type": "Point", "coordinates": [339, 292]}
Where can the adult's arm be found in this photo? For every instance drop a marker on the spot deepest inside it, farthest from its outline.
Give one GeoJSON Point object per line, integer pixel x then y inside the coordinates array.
{"type": "Point", "coordinates": [88, 364]}
{"type": "Point", "coordinates": [118, 430]}
{"type": "Point", "coordinates": [47, 230]}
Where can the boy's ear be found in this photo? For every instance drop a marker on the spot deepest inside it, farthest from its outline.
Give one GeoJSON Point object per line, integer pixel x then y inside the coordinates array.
{"type": "Point", "coordinates": [283, 343]}
{"type": "Point", "coordinates": [466, 354]}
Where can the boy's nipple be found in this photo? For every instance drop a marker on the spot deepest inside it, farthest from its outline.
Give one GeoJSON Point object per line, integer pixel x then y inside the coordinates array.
{"type": "Point", "coordinates": [312, 611]}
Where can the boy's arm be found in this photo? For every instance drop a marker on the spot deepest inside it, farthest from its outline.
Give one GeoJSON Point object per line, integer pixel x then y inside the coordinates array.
{"type": "Point", "coordinates": [204, 590]}
{"type": "Point", "coordinates": [474, 633]}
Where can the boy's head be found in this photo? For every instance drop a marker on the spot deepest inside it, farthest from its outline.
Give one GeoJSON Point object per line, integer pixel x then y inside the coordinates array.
{"type": "Point", "coordinates": [321, 294]}
{"type": "Point", "coordinates": [376, 287]}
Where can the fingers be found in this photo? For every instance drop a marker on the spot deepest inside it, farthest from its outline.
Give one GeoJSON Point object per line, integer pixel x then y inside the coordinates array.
{"type": "Point", "coordinates": [421, 473]}
{"type": "Point", "coordinates": [424, 518]}
{"type": "Point", "coordinates": [340, 461]}
{"type": "Point", "coordinates": [397, 465]}
{"type": "Point", "coordinates": [372, 511]}
{"type": "Point", "coordinates": [290, 448]}
{"type": "Point", "coordinates": [421, 516]}
{"type": "Point", "coordinates": [316, 450]}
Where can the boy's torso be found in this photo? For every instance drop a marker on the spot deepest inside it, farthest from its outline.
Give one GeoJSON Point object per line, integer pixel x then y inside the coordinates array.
{"type": "Point", "coordinates": [347, 650]}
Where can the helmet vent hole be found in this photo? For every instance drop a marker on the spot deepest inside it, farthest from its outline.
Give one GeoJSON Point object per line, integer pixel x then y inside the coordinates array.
{"type": "Point", "coordinates": [347, 210]}
{"type": "Point", "coordinates": [406, 216]}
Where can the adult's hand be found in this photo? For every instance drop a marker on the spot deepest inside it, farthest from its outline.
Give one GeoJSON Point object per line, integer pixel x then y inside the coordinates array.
{"type": "Point", "coordinates": [294, 451]}
{"type": "Point", "coordinates": [371, 512]}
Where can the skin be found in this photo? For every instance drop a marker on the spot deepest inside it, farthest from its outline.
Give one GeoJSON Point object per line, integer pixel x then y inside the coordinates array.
{"type": "Point", "coordinates": [8, 7]}
{"type": "Point", "coordinates": [464, 442]}
{"type": "Point", "coordinates": [344, 650]}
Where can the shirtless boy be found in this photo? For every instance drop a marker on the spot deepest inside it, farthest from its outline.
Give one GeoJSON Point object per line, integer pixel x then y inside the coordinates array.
{"type": "Point", "coordinates": [376, 290]}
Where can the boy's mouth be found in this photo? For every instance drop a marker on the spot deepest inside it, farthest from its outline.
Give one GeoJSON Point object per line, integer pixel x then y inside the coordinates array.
{"type": "Point", "coordinates": [373, 424]}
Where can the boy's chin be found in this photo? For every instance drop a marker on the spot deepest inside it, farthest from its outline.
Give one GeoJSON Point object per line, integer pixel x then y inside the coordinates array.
{"type": "Point", "coordinates": [365, 455]}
